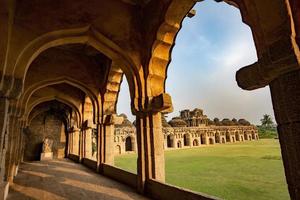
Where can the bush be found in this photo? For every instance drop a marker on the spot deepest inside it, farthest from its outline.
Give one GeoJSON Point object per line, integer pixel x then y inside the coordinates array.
{"type": "Point", "coordinates": [267, 132]}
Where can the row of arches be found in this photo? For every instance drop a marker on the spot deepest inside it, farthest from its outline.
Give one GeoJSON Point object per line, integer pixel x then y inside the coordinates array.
{"type": "Point", "coordinates": [207, 139]}
{"type": "Point", "coordinates": [87, 53]}
{"type": "Point", "coordinates": [128, 145]}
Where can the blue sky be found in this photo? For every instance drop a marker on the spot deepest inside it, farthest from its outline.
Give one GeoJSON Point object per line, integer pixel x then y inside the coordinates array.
{"type": "Point", "coordinates": [209, 49]}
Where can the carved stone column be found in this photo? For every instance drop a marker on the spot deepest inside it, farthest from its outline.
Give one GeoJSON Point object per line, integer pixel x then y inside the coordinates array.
{"type": "Point", "coordinates": [4, 104]}
{"type": "Point", "coordinates": [18, 147]}
{"type": "Point", "coordinates": [81, 145]}
{"type": "Point", "coordinates": [70, 143]}
{"type": "Point", "coordinates": [13, 131]}
{"type": "Point", "coordinates": [285, 91]}
{"type": "Point", "coordinates": [88, 143]}
{"type": "Point", "coordinates": [100, 147]}
{"type": "Point", "coordinates": [109, 129]}
{"type": "Point", "coordinates": [75, 142]}
{"type": "Point", "coordinates": [150, 141]}
{"type": "Point", "coordinates": [105, 142]}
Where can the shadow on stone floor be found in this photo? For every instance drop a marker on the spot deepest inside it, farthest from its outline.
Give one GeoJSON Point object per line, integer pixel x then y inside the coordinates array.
{"type": "Point", "coordinates": [71, 170]}
{"type": "Point", "coordinates": [66, 180]}
{"type": "Point", "coordinates": [18, 195]}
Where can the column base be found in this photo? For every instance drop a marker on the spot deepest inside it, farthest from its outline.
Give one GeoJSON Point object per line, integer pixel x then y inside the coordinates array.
{"type": "Point", "coordinates": [46, 156]}
{"type": "Point", "coordinates": [4, 190]}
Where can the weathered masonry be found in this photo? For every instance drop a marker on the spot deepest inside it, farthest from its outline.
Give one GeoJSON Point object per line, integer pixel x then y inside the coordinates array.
{"type": "Point", "coordinates": [62, 63]}
{"type": "Point", "coordinates": [191, 129]}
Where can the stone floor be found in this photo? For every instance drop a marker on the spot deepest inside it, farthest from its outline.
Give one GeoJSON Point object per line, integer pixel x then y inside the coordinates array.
{"type": "Point", "coordinates": [64, 179]}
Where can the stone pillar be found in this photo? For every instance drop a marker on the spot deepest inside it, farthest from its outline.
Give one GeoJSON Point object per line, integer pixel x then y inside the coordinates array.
{"type": "Point", "coordinates": [109, 143]}
{"type": "Point", "coordinates": [81, 145]}
{"type": "Point", "coordinates": [285, 91]}
{"type": "Point", "coordinates": [76, 143]}
{"type": "Point", "coordinates": [151, 161]}
{"type": "Point", "coordinates": [13, 131]}
{"type": "Point", "coordinates": [174, 142]}
{"type": "Point", "coordinates": [18, 147]}
{"type": "Point", "coordinates": [4, 103]}
{"type": "Point", "coordinates": [70, 141]}
{"type": "Point", "coordinates": [105, 142]}
{"type": "Point", "coordinates": [100, 147]}
{"type": "Point", "coordinates": [88, 143]}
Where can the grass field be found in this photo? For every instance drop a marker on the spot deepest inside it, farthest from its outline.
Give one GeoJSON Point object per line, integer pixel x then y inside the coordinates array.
{"type": "Point", "coordinates": [240, 171]}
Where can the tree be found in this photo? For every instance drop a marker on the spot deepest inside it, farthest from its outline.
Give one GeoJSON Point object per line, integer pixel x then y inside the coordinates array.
{"type": "Point", "coordinates": [267, 121]}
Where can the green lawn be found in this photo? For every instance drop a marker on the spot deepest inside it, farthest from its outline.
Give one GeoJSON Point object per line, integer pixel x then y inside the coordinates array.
{"type": "Point", "coordinates": [245, 171]}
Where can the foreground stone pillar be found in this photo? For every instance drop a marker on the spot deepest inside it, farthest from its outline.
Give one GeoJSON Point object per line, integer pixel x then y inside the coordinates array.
{"type": "Point", "coordinates": [151, 161]}
{"type": "Point", "coordinates": [4, 104]}
{"type": "Point", "coordinates": [285, 91]}
{"type": "Point", "coordinates": [109, 143]}
{"type": "Point", "coordinates": [105, 142]}
{"type": "Point", "coordinates": [13, 131]}
{"type": "Point", "coordinates": [18, 148]}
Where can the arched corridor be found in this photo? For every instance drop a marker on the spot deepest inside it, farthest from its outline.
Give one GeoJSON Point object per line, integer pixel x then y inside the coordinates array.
{"type": "Point", "coordinates": [128, 144]}
{"type": "Point", "coordinates": [61, 68]}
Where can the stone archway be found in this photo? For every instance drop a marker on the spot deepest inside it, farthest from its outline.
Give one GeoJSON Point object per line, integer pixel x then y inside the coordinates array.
{"type": "Point", "coordinates": [170, 141]}
{"type": "Point", "coordinates": [227, 137]}
{"type": "Point", "coordinates": [223, 140]}
{"type": "Point", "coordinates": [253, 135]}
{"type": "Point", "coordinates": [203, 138]}
{"type": "Point", "coordinates": [179, 145]}
{"type": "Point", "coordinates": [217, 136]}
{"type": "Point", "coordinates": [245, 136]}
{"type": "Point", "coordinates": [195, 142]}
{"type": "Point", "coordinates": [237, 136]}
{"type": "Point", "coordinates": [186, 140]}
{"type": "Point", "coordinates": [128, 144]}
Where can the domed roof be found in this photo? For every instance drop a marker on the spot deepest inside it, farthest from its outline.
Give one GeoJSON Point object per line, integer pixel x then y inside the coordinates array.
{"type": "Point", "coordinates": [177, 122]}
{"type": "Point", "coordinates": [164, 122]}
{"type": "Point", "coordinates": [125, 122]}
{"type": "Point", "coordinates": [197, 109]}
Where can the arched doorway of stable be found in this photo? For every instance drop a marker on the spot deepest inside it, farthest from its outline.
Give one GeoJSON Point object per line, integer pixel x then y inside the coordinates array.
{"type": "Point", "coordinates": [209, 49]}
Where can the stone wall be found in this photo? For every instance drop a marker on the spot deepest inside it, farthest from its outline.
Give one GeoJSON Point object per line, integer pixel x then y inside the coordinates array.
{"type": "Point", "coordinates": [187, 137]}
{"type": "Point", "coordinates": [43, 126]}
{"type": "Point", "coordinates": [180, 137]}
{"type": "Point", "coordinates": [123, 136]}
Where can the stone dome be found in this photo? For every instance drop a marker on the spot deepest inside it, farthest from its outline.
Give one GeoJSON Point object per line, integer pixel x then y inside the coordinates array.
{"type": "Point", "coordinates": [177, 122]}
{"type": "Point", "coordinates": [125, 122]}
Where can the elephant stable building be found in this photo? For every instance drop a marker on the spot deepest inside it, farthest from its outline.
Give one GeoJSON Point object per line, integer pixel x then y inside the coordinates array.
{"type": "Point", "coordinates": [62, 63]}
{"type": "Point", "coordinates": [191, 129]}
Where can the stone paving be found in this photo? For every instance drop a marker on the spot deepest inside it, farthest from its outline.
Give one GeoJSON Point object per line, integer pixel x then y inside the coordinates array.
{"type": "Point", "coordinates": [64, 179]}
